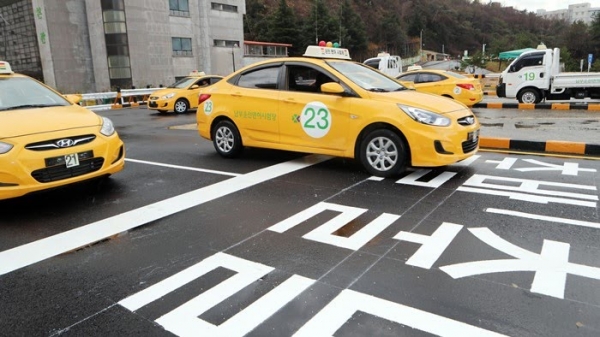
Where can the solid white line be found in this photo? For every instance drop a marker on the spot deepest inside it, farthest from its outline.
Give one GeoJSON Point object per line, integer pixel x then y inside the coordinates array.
{"type": "Point", "coordinates": [544, 218]}
{"type": "Point", "coordinates": [182, 167]}
{"type": "Point", "coordinates": [36, 251]}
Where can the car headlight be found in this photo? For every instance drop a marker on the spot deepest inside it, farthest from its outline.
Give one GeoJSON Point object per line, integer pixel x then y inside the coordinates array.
{"type": "Point", "coordinates": [4, 147]}
{"type": "Point", "coordinates": [169, 95]}
{"type": "Point", "coordinates": [424, 116]}
{"type": "Point", "coordinates": [108, 127]}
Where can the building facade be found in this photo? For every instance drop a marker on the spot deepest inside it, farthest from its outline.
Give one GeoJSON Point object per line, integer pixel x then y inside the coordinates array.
{"type": "Point", "coordinates": [82, 46]}
{"type": "Point", "coordinates": [576, 12]}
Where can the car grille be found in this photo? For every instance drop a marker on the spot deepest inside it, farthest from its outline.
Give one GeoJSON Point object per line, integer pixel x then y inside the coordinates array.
{"type": "Point", "coordinates": [153, 104]}
{"type": "Point", "coordinates": [53, 144]}
{"type": "Point", "coordinates": [469, 145]}
{"type": "Point", "coordinates": [465, 121]}
{"type": "Point", "coordinates": [60, 172]}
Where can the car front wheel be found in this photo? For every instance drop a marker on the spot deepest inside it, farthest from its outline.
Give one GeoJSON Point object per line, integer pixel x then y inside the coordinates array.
{"type": "Point", "coordinates": [227, 140]}
{"type": "Point", "coordinates": [529, 96]}
{"type": "Point", "coordinates": [383, 153]}
{"type": "Point", "coordinates": [181, 106]}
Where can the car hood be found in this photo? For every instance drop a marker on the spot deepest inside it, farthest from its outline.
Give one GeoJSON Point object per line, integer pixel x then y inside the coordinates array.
{"type": "Point", "coordinates": [426, 101]}
{"type": "Point", "coordinates": [22, 122]}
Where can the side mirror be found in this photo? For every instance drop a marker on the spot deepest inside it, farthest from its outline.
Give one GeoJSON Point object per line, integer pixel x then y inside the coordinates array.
{"type": "Point", "coordinates": [195, 86]}
{"type": "Point", "coordinates": [512, 69]}
{"type": "Point", "coordinates": [75, 99]}
{"type": "Point", "coordinates": [332, 88]}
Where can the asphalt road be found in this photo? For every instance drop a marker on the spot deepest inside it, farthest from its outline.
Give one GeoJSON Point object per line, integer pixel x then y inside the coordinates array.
{"type": "Point", "coordinates": [183, 242]}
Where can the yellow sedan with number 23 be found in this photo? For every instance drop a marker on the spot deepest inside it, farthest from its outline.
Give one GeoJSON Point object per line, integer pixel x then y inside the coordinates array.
{"type": "Point", "coordinates": [324, 103]}
{"type": "Point", "coordinates": [47, 141]}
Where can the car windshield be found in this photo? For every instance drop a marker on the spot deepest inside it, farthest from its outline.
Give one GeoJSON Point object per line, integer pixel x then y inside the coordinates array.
{"type": "Point", "coordinates": [183, 83]}
{"type": "Point", "coordinates": [23, 93]}
{"type": "Point", "coordinates": [366, 77]}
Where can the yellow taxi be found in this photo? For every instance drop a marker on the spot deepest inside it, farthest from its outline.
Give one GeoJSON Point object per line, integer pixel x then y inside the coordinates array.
{"type": "Point", "coordinates": [325, 103]}
{"type": "Point", "coordinates": [46, 140]}
{"type": "Point", "coordinates": [182, 95]}
{"type": "Point", "coordinates": [449, 84]}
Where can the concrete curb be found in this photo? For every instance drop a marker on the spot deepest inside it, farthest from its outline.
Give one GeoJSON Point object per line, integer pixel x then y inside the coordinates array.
{"type": "Point", "coordinates": [543, 106]}
{"type": "Point", "coordinates": [549, 146]}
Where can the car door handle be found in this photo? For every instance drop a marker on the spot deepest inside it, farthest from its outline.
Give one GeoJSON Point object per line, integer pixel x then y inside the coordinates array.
{"type": "Point", "coordinates": [237, 94]}
{"type": "Point", "coordinates": [541, 75]}
{"type": "Point", "coordinates": [290, 100]}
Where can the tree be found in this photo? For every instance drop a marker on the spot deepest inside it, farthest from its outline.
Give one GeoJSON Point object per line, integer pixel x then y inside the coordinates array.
{"type": "Point", "coordinates": [319, 26]}
{"type": "Point", "coordinates": [566, 58]}
{"type": "Point", "coordinates": [255, 22]}
{"type": "Point", "coordinates": [353, 34]}
{"type": "Point", "coordinates": [577, 40]}
{"type": "Point", "coordinates": [595, 34]}
{"type": "Point", "coordinates": [391, 35]}
{"type": "Point", "coordinates": [283, 28]}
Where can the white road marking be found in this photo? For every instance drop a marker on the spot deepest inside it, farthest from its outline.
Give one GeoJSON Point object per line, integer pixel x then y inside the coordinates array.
{"type": "Point", "coordinates": [432, 247]}
{"type": "Point", "coordinates": [436, 182]}
{"type": "Point", "coordinates": [323, 233]}
{"type": "Point", "coordinates": [183, 167]}
{"type": "Point", "coordinates": [348, 302]}
{"type": "Point", "coordinates": [544, 218]}
{"type": "Point", "coordinates": [551, 266]}
{"type": "Point", "coordinates": [40, 250]}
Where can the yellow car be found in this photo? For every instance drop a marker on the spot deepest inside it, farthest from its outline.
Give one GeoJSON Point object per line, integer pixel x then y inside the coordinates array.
{"type": "Point", "coordinates": [449, 84]}
{"type": "Point", "coordinates": [324, 103]}
{"type": "Point", "coordinates": [47, 141]}
{"type": "Point", "coordinates": [181, 95]}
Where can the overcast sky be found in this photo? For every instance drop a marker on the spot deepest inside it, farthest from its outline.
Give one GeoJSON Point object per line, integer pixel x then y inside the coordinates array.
{"type": "Point", "coordinates": [549, 5]}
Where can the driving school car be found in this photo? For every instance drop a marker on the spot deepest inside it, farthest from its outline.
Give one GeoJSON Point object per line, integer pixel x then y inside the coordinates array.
{"type": "Point", "coordinates": [326, 104]}
{"type": "Point", "coordinates": [181, 95]}
{"type": "Point", "coordinates": [47, 141]}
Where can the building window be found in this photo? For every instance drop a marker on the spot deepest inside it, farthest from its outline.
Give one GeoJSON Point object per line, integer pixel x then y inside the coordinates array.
{"type": "Point", "coordinates": [227, 43]}
{"type": "Point", "coordinates": [182, 46]}
{"type": "Point", "coordinates": [179, 8]}
{"type": "Point", "coordinates": [223, 7]}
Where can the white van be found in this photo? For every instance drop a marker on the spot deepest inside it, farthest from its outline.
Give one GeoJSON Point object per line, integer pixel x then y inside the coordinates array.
{"type": "Point", "coordinates": [390, 65]}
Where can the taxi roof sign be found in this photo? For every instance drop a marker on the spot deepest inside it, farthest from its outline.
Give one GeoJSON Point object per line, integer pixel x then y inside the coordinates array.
{"type": "Point", "coordinates": [197, 73]}
{"type": "Point", "coordinates": [327, 52]}
{"type": "Point", "coordinates": [5, 68]}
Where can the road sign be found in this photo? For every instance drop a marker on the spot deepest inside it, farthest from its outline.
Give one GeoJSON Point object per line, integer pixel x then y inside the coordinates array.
{"type": "Point", "coordinates": [590, 60]}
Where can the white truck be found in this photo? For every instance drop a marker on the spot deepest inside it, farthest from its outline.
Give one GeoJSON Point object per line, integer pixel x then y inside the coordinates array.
{"type": "Point", "coordinates": [535, 75]}
{"type": "Point", "coordinates": [390, 65]}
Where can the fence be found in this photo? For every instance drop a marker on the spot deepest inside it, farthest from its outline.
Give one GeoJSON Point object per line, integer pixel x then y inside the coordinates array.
{"type": "Point", "coordinates": [118, 99]}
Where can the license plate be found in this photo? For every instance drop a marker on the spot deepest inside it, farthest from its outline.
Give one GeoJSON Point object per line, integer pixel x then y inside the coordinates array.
{"type": "Point", "coordinates": [473, 136]}
{"type": "Point", "coordinates": [72, 160]}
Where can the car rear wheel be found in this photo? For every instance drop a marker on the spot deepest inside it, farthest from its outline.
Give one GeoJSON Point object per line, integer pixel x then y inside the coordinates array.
{"type": "Point", "coordinates": [383, 153]}
{"type": "Point", "coordinates": [529, 96]}
{"type": "Point", "coordinates": [227, 140]}
{"type": "Point", "coordinates": [181, 106]}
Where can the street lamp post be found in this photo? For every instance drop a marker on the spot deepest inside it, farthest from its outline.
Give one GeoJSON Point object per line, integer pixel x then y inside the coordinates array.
{"type": "Point", "coordinates": [233, 55]}
{"type": "Point", "coordinates": [4, 34]}
{"type": "Point", "coordinates": [421, 46]}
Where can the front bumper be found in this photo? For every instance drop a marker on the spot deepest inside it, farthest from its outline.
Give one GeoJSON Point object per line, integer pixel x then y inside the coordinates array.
{"type": "Point", "coordinates": [501, 90]}
{"type": "Point", "coordinates": [23, 171]}
{"type": "Point", "coordinates": [161, 104]}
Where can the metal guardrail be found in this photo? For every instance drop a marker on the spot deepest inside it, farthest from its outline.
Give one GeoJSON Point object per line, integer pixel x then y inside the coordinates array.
{"type": "Point", "coordinates": [120, 99]}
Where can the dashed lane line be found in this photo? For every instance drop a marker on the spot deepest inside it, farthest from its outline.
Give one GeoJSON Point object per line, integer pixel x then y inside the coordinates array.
{"type": "Point", "coordinates": [182, 167]}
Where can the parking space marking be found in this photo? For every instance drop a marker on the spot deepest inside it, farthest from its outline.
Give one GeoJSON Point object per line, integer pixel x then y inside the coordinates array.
{"type": "Point", "coordinates": [544, 218]}
{"type": "Point", "coordinates": [42, 249]}
{"type": "Point", "coordinates": [182, 167]}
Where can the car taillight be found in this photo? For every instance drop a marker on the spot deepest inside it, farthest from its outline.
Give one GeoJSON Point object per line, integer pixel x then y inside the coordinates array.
{"type": "Point", "coordinates": [202, 98]}
{"type": "Point", "coordinates": [467, 86]}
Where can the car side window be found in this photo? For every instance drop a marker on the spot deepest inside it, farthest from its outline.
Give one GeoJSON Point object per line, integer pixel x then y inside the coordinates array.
{"type": "Point", "coordinates": [214, 80]}
{"type": "Point", "coordinates": [528, 61]}
{"type": "Point", "coordinates": [203, 82]}
{"type": "Point", "coordinates": [436, 78]}
{"type": "Point", "coordinates": [410, 77]}
{"type": "Point", "coordinates": [306, 79]}
{"type": "Point", "coordinates": [265, 78]}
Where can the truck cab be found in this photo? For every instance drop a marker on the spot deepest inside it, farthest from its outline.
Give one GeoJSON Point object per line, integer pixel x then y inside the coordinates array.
{"type": "Point", "coordinates": [390, 65]}
{"type": "Point", "coordinates": [529, 76]}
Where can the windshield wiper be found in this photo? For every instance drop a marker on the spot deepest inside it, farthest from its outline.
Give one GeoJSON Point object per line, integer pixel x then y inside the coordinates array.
{"type": "Point", "coordinates": [27, 106]}
{"type": "Point", "coordinates": [401, 89]}
{"type": "Point", "coordinates": [378, 90]}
